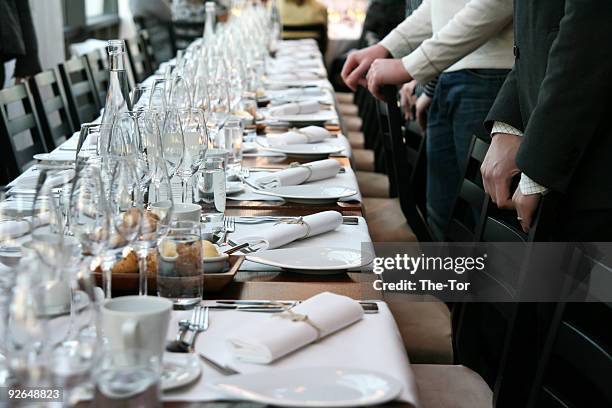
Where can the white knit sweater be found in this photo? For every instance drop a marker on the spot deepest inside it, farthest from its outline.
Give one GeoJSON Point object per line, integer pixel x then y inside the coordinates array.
{"type": "Point", "coordinates": [449, 35]}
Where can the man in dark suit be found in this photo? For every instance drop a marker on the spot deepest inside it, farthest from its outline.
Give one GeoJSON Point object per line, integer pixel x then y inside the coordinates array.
{"type": "Point", "coordinates": [551, 119]}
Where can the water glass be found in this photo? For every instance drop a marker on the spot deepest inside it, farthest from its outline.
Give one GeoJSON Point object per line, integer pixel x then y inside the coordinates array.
{"type": "Point", "coordinates": [233, 144]}
{"type": "Point", "coordinates": [180, 273]}
{"type": "Point", "coordinates": [210, 189]}
{"type": "Point", "coordinates": [128, 379]}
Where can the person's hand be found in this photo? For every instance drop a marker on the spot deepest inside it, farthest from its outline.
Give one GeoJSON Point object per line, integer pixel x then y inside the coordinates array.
{"type": "Point", "coordinates": [526, 206]}
{"type": "Point", "coordinates": [386, 72]}
{"type": "Point", "coordinates": [422, 109]}
{"type": "Point", "coordinates": [499, 167]}
{"type": "Point", "coordinates": [358, 63]}
{"type": "Point", "coordinates": [408, 98]}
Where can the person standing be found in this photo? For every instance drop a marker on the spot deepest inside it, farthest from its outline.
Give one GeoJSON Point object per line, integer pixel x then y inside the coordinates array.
{"type": "Point", "coordinates": [468, 44]}
{"type": "Point", "coordinates": [556, 136]}
{"type": "Point", "coordinates": [18, 40]}
{"type": "Point", "coordinates": [159, 9]}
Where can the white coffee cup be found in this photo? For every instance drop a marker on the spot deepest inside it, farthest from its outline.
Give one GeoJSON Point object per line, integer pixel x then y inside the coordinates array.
{"type": "Point", "coordinates": [186, 212]}
{"type": "Point", "coordinates": [137, 322]}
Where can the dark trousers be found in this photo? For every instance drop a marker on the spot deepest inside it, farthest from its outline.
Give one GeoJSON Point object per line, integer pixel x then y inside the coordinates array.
{"type": "Point", "coordinates": [2, 75]}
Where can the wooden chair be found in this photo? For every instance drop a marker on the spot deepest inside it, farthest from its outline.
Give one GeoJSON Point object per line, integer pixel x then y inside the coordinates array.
{"type": "Point", "coordinates": [81, 91]}
{"type": "Point", "coordinates": [98, 70]}
{"type": "Point", "coordinates": [471, 202]}
{"type": "Point", "coordinates": [20, 131]}
{"type": "Point", "coordinates": [576, 362]}
{"type": "Point", "coordinates": [185, 32]}
{"type": "Point", "coordinates": [52, 108]}
{"type": "Point", "coordinates": [160, 37]}
{"type": "Point", "coordinates": [148, 50]}
{"type": "Point", "coordinates": [319, 31]}
{"type": "Point", "coordinates": [137, 58]}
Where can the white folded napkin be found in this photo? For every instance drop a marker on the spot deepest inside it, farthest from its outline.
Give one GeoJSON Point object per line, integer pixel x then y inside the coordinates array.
{"type": "Point", "coordinates": [283, 233]}
{"type": "Point", "coordinates": [55, 180]}
{"type": "Point", "coordinates": [315, 318]}
{"type": "Point", "coordinates": [308, 134]}
{"type": "Point", "coordinates": [300, 75]}
{"type": "Point", "coordinates": [292, 176]}
{"type": "Point", "coordinates": [296, 108]}
{"type": "Point", "coordinates": [13, 229]}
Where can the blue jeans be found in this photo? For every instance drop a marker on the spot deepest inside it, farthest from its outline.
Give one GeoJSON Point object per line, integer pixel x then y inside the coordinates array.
{"type": "Point", "coordinates": [459, 107]}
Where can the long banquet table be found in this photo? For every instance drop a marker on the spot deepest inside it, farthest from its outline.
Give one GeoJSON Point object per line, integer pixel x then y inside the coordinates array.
{"type": "Point", "coordinates": [279, 285]}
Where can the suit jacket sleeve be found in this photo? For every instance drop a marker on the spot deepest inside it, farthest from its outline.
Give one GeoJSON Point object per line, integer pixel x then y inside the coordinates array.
{"type": "Point", "coordinates": [572, 97]}
{"type": "Point", "coordinates": [506, 107]}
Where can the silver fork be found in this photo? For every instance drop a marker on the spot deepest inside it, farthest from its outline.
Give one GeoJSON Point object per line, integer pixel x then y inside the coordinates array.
{"type": "Point", "coordinates": [249, 249]}
{"type": "Point", "coordinates": [229, 225]}
{"type": "Point", "coordinates": [199, 323]}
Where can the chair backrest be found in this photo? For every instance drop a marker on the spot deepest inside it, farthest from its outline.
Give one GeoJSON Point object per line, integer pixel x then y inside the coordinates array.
{"type": "Point", "coordinates": [405, 152]}
{"type": "Point", "coordinates": [20, 130]}
{"type": "Point", "coordinates": [52, 108]}
{"type": "Point", "coordinates": [471, 201]}
{"type": "Point", "coordinates": [139, 63]}
{"type": "Point", "coordinates": [148, 50]}
{"type": "Point", "coordinates": [83, 98]}
{"type": "Point", "coordinates": [185, 32]}
{"type": "Point", "coordinates": [575, 368]}
{"type": "Point", "coordinates": [160, 36]}
{"type": "Point", "coordinates": [319, 31]}
{"type": "Point", "coordinates": [98, 69]}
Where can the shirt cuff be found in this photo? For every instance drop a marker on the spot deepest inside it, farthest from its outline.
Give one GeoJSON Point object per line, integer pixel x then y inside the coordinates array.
{"type": "Point", "coordinates": [529, 187]}
{"type": "Point", "coordinates": [501, 127]}
{"type": "Point", "coordinates": [397, 45]}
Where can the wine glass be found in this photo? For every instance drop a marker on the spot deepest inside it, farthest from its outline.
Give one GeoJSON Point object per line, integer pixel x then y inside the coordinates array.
{"type": "Point", "coordinates": [159, 95]}
{"type": "Point", "coordinates": [172, 141]}
{"type": "Point", "coordinates": [195, 136]}
{"type": "Point", "coordinates": [180, 94]}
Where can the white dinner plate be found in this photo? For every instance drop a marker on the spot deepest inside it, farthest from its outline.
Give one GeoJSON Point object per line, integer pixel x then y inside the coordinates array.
{"type": "Point", "coordinates": [314, 261]}
{"type": "Point", "coordinates": [314, 118]}
{"type": "Point", "coordinates": [309, 193]}
{"type": "Point", "coordinates": [249, 147]}
{"type": "Point", "coordinates": [179, 369]}
{"type": "Point", "coordinates": [313, 387]}
{"type": "Point", "coordinates": [308, 150]}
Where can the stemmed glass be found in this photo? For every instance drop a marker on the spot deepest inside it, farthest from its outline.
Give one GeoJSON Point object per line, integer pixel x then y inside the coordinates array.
{"type": "Point", "coordinates": [172, 141]}
{"type": "Point", "coordinates": [195, 137]}
{"type": "Point", "coordinates": [159, 95]}
{"type": "Point", "coordinates": [219, 107]}
{"type": "Point", "coordinates": [180, 94]}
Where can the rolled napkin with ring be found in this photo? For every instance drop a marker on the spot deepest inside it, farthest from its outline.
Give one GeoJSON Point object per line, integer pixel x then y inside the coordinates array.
{"type": "Point", "coordinates": [301, 173]}
{"type": "Point", "coordinates": [285, 332]}
{"type": "Point", "coordinates": [296, 108]}
{"type": "Point", "coordinates": [285, 232]}
{"type": "Point", "coordinates": [305, 135]}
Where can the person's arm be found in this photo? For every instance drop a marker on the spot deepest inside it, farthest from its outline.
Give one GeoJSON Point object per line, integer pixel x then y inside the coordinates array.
{"type": "Point", "coordinates": [407, 36]}
{"type": "Point", "coordinates": [473, 26]}
{"type": "Point", "coordinates": [566, 118]}
{"type": "Point", "coordinates": [29, 63]}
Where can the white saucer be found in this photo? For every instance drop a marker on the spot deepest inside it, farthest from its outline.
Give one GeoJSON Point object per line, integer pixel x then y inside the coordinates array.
{"type": "Point", "coordinates": [179, 369]}
{"type": "Point", "coordinates": [313, 387]}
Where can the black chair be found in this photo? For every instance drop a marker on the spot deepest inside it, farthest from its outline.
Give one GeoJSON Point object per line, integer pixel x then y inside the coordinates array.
{"type": "Point", "coordinates": [404, 151]}
{"type": "Point", "coordinates": [319, 30]}
{"type": "Point", "coordinates": [160, 37]}
{"type": "Point", "coordinates": [20, 131]}
{"type": "Point", "coordinates": [137, 58]}
{"type": "Point", "coordinates": [52, 108]}
{"type": "Point", "coordinates": [575, 368]}
{"type": "Point", "coordinates": [148, 50]}
{"type": "Point", "coordinates": [83, 97]}
{"type": "Point", "coordinates": [98, 70]}
{"type": "Point", "coordinates": [471, 201]}
{"type": "Point", "coordinates": [185, 32]}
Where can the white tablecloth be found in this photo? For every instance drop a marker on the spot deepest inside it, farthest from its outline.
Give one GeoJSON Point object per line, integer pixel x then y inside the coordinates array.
{"type": "Point", "coordinates": [374, 343]}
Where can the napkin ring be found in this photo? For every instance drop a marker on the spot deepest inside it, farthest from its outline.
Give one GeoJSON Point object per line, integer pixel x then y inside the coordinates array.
{"type": "Point", "coordinates": [300, 221]}
{"type": "Point", "coordinates": [297, 317]}
{"type": "Point", "coordinates": [295, 165]}
{"type": "Point", "coordinates": [301, 132]}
